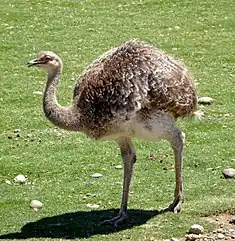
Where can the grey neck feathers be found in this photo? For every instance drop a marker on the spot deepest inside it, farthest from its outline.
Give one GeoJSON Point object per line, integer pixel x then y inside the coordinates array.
{"type": "Point", "coordinates": [63, 117]}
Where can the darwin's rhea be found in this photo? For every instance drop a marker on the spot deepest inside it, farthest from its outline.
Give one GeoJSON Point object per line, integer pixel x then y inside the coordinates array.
{"type": "Point", "coordinates": [134, 90]}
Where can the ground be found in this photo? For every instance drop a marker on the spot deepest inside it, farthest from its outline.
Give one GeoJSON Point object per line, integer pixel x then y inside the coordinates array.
{"type": "Point", "coordinates": [224, 224]}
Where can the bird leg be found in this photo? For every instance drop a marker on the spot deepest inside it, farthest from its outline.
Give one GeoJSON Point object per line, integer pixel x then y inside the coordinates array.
{"type": "Point", "coordinates": [177, 144]}
{"type": "Point", "coordinates": [129, 158]}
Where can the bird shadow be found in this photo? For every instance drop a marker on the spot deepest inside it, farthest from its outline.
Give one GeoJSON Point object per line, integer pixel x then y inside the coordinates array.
{"type": "Point", "coordinates": [81, 224]}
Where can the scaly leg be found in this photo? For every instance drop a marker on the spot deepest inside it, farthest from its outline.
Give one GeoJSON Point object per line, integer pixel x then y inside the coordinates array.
{"type": "Point", "coordinates": [177, 144]}
{"type": "Point", "coordinates": [129, 158]}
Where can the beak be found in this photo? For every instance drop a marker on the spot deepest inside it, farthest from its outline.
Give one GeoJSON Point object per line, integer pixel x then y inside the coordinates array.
{"type": "Point", "coordinates": [32, 62]}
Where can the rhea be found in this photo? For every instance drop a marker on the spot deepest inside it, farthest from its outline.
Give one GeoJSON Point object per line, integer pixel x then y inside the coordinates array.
{"type": "Point", "coordinates": [134, 90]}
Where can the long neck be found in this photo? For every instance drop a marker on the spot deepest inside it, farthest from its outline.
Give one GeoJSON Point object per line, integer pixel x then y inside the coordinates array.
{"type": "Point", "coordinates": [63, 117]}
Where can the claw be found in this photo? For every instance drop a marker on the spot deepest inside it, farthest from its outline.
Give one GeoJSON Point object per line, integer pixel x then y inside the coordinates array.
{"type": "Point", "coordinates": [175, 206]}
{"type": "Point", "coordinates": [116, 220]}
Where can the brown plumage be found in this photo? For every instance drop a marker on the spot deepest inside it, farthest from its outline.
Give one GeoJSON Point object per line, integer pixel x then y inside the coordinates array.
{"type": "Point", "coordinates": [133, 90]}
{"type": "Point", "coordinates": [133, 78]}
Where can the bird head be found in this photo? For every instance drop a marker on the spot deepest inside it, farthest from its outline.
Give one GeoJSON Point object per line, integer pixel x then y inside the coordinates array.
{"type": "Point", "coordinates": [46, 60]}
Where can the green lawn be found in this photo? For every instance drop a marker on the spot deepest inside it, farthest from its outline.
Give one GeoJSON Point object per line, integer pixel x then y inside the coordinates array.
{"type": "Point", "coordinates": [59, 163]}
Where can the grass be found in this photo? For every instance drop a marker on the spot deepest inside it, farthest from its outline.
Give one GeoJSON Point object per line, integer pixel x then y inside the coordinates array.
{"type": "Point", "coordinates": [59, 164]}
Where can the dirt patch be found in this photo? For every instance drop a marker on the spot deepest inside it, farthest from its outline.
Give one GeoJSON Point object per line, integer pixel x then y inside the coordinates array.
{"type": "Point", "coordinates": [223, 220]}
{"type": "Point", "coordinates": [224, 229]}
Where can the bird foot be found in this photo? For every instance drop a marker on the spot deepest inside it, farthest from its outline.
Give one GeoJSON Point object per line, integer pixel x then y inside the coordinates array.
{"type": "Point", "coordinates": [122, 216]}
{"type": "Point", "coordinates": [175, 206]}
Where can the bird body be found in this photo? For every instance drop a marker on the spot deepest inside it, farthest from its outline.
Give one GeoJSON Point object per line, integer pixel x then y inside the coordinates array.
{"type": "Point", "coordinates": [130, 82]}
{"type": "Point", "coordinates": [132, 90]}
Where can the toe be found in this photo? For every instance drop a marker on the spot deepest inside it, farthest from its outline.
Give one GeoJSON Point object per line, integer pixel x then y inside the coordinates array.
{"type": "Point", "coordinates": [116, 220]}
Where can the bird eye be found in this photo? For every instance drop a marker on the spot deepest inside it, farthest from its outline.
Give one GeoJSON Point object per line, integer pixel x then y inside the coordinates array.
{"type": "Point", "coordinates": [47, 58]}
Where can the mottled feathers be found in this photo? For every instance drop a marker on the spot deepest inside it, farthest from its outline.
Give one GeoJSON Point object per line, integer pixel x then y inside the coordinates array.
{"type": "Point", "coordinates": [131, 79]}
